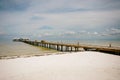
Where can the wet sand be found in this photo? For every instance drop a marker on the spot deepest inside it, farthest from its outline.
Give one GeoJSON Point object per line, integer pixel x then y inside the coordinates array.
{"type": "Point", "coordinates": [71, 66]}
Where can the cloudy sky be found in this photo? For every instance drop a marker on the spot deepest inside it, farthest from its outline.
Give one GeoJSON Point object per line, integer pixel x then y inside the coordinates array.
{"type": "Point", "coordinates": [60, 19]}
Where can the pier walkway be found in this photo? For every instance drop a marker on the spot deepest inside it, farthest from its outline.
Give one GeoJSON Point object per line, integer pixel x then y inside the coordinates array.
{"type": "Point", "coordinates": [71, 47]}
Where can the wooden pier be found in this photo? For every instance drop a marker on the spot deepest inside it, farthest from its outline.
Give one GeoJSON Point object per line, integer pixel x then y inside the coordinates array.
{"type": "Point", "coordinates": [71, 47]}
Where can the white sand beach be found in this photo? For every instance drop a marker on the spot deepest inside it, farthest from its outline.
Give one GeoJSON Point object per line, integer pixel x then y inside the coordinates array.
{"type": "Point", "coordinates": [72, 66]}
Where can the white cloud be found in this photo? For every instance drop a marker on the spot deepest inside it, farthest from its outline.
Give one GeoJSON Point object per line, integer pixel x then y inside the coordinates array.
{"type": "Point", "coordinates": [111, 32]}
{"type": "Point", "coordinates": [73, 17]}
{"type": "Point", "coordinates": [95, 33]}
{"type": "Point", "coordinates": [114, 31]}
{"type": "Point", "coordinates": [70, 33]}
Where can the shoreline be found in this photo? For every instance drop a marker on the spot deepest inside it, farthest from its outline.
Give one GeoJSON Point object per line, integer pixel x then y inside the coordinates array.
{"type": "Point", "coordinates": [46, 54]}
{"type": "Point", "coordinates": [34, 55]}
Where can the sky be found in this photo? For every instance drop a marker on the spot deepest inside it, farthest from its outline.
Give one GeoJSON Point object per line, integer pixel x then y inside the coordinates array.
{"type": "Point", "coordinates": [60, 19]}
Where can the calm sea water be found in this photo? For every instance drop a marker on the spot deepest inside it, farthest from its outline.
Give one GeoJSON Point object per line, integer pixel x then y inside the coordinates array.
{"type": "Point", "coordinates": [10, 48]}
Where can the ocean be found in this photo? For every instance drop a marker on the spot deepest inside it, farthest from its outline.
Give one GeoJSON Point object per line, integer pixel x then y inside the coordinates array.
{"type": "Point", "coordinates": [11, 49]}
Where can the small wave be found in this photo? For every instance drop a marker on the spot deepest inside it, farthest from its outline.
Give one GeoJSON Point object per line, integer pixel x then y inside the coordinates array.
{"type": "Point", "coordinates": [37, 55]}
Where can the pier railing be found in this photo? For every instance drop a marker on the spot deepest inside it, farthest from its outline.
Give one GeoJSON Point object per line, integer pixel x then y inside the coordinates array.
{"type": "Point", "coordinates": [71, 47]}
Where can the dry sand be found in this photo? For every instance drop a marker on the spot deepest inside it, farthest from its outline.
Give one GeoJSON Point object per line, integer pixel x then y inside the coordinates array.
{"type": "Point", "coordinates": [72, 66]}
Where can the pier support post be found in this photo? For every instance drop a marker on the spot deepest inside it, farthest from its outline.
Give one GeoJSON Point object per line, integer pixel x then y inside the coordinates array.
{"type": "Point", "coordinates": [37, 44]}
{"type": "Point", "coordinates": [67, 48]}
{"type": "Point", "coordinates": [58, 47]}
{"type": "Point", "coordinates": [49, 45]}
{"type": "Point", "coordinates": [61, 47]}
{"type": "Point", "coordinates": [71, 48]}
{"type": "Point", "coordinates": [76, 49]}
{"type": "Point", "coordinates": [45, 45]}
{"type": "Point", "coordinates": [42, 45]}
{"type": "Point", "coordinates": [85, 49]}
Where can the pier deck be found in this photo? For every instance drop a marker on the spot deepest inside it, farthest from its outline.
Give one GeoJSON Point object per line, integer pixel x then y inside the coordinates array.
{"type": "Point", "coordinates": [71, 47]}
